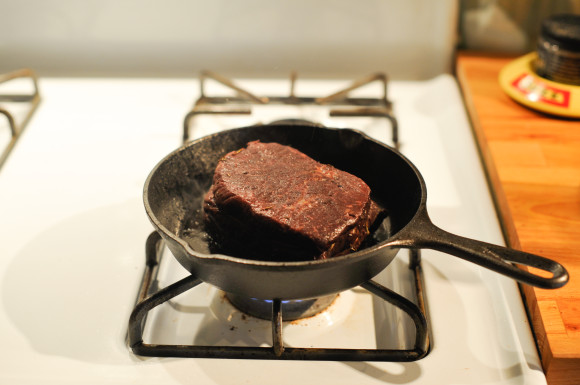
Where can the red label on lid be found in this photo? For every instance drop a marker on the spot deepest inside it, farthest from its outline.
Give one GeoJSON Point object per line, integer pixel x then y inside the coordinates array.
{"type": "Point", "coordinates": [538, 91]}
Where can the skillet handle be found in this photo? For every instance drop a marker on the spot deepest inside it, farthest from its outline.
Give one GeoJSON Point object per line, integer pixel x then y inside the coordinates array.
{"type": "Point", "coordinates": [422, 233]}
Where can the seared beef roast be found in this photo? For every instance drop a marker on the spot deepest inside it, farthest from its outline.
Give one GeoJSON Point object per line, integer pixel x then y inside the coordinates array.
{"type": "Point", "coordinates": [270, 201]}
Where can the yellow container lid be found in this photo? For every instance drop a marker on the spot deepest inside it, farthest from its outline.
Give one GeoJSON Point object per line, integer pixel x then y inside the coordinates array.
{"type": "Point", "coordinates": [519, 80]}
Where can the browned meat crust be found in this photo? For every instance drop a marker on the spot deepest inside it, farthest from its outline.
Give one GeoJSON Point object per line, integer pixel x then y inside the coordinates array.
{"type": "Point", "coordinates": [270, 201]}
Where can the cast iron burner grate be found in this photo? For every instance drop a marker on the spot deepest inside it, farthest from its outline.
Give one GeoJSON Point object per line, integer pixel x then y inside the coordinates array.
{"type": "Point", "coordinates": [341, 104]}
{"type": "Point", "coordinates": [148, 299]}
{"type": "Point", "coordinates": [30, 100]}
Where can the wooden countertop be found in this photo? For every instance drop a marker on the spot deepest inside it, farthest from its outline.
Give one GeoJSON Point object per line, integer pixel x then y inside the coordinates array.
{"type": "Point", "coordinates": [533, 164]}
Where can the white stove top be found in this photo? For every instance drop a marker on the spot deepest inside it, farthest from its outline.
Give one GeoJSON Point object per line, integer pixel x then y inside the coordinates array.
{"type": "Point", "coordinates": [73, 230]}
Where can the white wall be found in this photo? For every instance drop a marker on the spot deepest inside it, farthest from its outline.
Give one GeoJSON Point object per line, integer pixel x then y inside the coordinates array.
{"type": "Point", "coordinates": [412, 38]}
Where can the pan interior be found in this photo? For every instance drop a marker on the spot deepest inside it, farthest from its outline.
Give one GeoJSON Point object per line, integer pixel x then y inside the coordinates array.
{"type": "Point", "coordinates": [176, 187]}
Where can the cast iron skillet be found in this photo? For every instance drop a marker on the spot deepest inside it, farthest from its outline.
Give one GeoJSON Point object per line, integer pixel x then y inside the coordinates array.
{"type": "Point", "coordinates": [174, 190]}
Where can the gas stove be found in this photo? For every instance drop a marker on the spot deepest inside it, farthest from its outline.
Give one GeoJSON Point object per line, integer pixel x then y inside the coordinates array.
{"type": "Point", "coordinates": [79, 254]}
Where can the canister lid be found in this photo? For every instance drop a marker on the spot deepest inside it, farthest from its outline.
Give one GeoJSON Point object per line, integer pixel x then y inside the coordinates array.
{"type": "Point", "coordinates": [562, 31]}
{"type": "Point", "coordinates": [559, 49]}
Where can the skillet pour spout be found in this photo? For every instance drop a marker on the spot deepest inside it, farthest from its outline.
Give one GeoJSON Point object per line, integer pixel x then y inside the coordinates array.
{"type": "Point", "coordinates": [174, 191]}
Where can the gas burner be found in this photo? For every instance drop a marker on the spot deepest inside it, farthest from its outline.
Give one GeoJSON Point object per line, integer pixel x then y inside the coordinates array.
{"type": "Point", "coordinates": [149, 298]}
{"type": "Point", "coordinates": [292, 309]}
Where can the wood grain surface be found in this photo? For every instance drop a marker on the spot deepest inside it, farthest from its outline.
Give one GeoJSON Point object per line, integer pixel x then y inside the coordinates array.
{"type": "Point", "coordinates": [533, 165]}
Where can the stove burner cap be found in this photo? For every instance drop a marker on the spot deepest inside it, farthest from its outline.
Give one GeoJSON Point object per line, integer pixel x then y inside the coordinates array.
{"type": "Point", "coordinates": [559, 49]}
